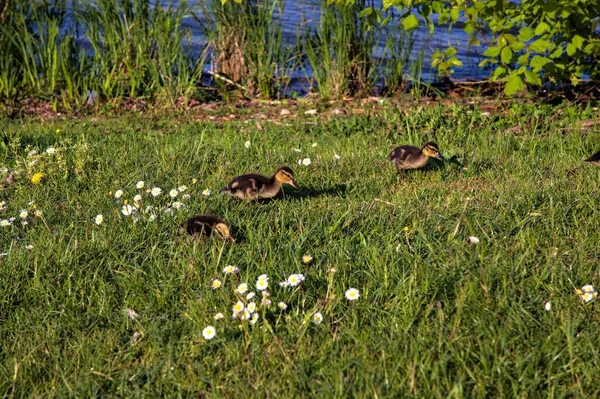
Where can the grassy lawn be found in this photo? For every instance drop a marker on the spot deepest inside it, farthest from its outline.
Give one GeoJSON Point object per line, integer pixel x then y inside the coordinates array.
{"type": "Point", "coordinates": [118, 309]}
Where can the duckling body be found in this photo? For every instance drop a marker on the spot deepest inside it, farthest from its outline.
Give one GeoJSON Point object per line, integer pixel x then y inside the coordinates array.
{"type": "Point", "coordinates": [202, 226]}
{"type": "Point", "coordinates": [594, 159]}
{"type": "Point", "coordinates": [411, 157]}
{"type": "Point", "coordinates": [254, 186]}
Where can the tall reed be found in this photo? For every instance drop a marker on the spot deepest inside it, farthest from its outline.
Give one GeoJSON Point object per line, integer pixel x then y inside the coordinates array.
{"type": "Point", "coordinates": [246, 40]}
{"type": "Point", "coordinates": [339, 51]}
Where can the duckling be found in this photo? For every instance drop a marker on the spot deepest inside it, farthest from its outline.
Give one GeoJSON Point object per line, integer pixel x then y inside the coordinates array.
{"type": "Point", "coordinates": [254, 186]}
{"type": "Point", "coordinates": [410, 157]}
{"type": "Point", "coordinates": [594, 159]}
{"type": "Point", "coordinates": [203, 226]}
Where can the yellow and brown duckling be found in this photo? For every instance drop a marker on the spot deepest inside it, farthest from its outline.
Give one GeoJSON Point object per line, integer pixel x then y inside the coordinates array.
{"type": "Point", "coordinates": [410, 157]}
{"type": "Point", "coordinates": [254, 186]}
{"type": "Point", "coordinates": [202, 226]}
{"type": "Point", "coordinates": [594, 159]}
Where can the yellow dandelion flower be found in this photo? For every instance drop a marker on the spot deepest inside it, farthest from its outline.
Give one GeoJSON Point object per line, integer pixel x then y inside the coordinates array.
{"type": "Point", "coordinates": [406, 228]}
{"type": "Point", "coordinates": [37, 178]}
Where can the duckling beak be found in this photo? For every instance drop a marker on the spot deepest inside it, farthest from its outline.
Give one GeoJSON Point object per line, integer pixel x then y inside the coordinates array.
{"type": "Point", "coordinates": [293, 184]}
{"type": "Point", "coordinates": [230, 239]}
{"type": "Point", "coordinates": [439, 156]}
{"type": "Point", "coordinates": [225, 190]}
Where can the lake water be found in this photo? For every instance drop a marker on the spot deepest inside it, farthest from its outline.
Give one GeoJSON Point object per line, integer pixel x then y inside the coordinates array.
{"type": "Point", "coordinates": [298, 11]}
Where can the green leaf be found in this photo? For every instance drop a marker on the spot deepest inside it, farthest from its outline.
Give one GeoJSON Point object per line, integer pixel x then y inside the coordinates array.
{"type": "Point", "coordinates": [410, 23]}
{"type": "Point", "coordinates": [541, 28]}
{"type": "Point", "coordinates": [533, 78]}
{"type": "Point", "coordinates": [538, 62]}
{"type": "Point", "coordinates": [517, 46]}
{"type": "Point", "coordinates": [450, 51]}
{"type": "Point", "coordinates": [539, 46]}
{"type": "Point", "coordinates": [498, 72]}
{"type": "Point", "coordinates": [578, 41]}
{"type": "Point", "coordinates": [492, 52]}
{"type": "Point", "coordinates": [514, 85]}
{"type": "Point", "coordinates": [571, 49]}
{"type": "Point", "coordinates": [454, 14]}
{"type": "Point", "coordinates": [522, 60]}
{"type": "Point", "coordinates": [455, 62]}
{"type": "Point", "coordinates": [556, 53]}
{"type": "Point", "coordinates": [525, 34]}
{"type": "Point", "coordinates": [506, 55]}
{"type": "Point", "coordinates": [365, 12]}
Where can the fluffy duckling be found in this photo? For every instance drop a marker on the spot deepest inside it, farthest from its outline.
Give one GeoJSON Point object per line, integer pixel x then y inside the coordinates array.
{"type": "Point", "coordinates": [594, 159]}
{"type": "Point", "coordinates": [254, 186]}
{"type": "Point", "coordinates": [410, 157]}
{"type": "Point", "coordinates": [203, 226]}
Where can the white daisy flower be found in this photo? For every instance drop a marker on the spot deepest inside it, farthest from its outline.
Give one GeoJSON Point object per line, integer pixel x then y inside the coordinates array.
{"type": "Point", "coordinates": [336, 156]}
{"type": "Point", "coordinates": [5, 223]}
{"type": "Point", "coordinates": [215, 284]}
{"type": "Point", "coordinates": [297, 150]}
{"type": "Point", "coordinates": [250, 295]}
{"type": "Point", "coordinates": [263, 277]}
{"type": "Point", "coordinates": [242, 288]}
{"type": "Point", "coordinates": [317, 318]}
{"type": "Point", "coordinates": [352, 294]}
{"type": "Point", "coordinates": [282, 305]}
{"type": "Point", "coordinates": [262, 285]}
{"type": "Point", "coordinates": [132, 314]}
{"type": "Point", "coordinates": [294, 279]}
{"type": "Point", "coordinates": [194, 181]}
{"type": "Point", "coordinates": [219, 316]}
{"type": "Point", "coordinates": [588, 288]}
{"type": "Point", "coordinates": [31, 203]}
{"type": "Point", "coordinates": [99, 219]}
{"type": "Point", "coordinates": [137, 198]}
{"type": "Point", "coordinates": [209, 332]}
{"type": "Point", "coordinates": [37, 213]}
{"type": "Point", "coordinates": [247, 144]}
{"type": "Point", "coordinates": [587, 297]}
{"type": "Point", "coordinates": [174, 193]}
{"type": "Point", "coordinates": [23, 213]}
{"type": "Point", "coordinates": [314, 145]}
{"type": "Point", "coordinates": [206, 192]}
{"type": "Point", "coordinates": [186, 197]}
{"type": "Point", "coordinates": [140, 184]}
{"type": "Point", "coordinates": [152, 218]}
{"type": "Point", "coordinates": [29, 247]}
{"type": "Point", "coordinates": [156, 192]}
{"type": "Point", "coordinates": [306, 258]}
{"type": "Point", "coordinates": [50, 151]}
{"type": "Point", "coordinates": [244, 315]}
{"type": "Point", "coordinates": [230, 269]}
{"type": "Point", "coordinates": [266, 302]}
{"type": "Point", "coordinates": [24, 222]}
{"type": "Point", "coordinates": [548, 306]}
{"type": "Point", "coordinates": [254, 318]}
{"type": "Point", "coordinates": [306, 161]}
{"type": "Point", "coordinates": [127, 210]}
{"type": "Point", "coordinates": [283, 284]}
{"type": "Point", "coordinates": [182, 188]}
{"type": "Point", "coordinates": [251, 307]}
{"type": "Point", "coordinates": [177, 205]}
{"type": "Point", "coordinates": [473, 240]}
{"type": "Point", "coordinates": [118, 193]}
{"type": "Point", "coordinates": [238, 307]}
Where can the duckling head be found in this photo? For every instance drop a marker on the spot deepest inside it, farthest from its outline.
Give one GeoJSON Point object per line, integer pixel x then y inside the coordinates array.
{"type": "Point", "coordinates": [431, 149]}
{"type": "Point", "coordinates": [286, 176]}
{"type": "Point", "coordinates": [223, 230]}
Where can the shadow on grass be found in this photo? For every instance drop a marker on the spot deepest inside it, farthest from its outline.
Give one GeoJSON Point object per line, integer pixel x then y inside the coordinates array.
{"type": "Point", "coordinates": [338, 190]}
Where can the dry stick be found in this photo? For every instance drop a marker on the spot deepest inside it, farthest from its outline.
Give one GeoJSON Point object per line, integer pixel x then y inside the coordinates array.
{"type": "Point", "coordinates": [459, 218]}
{"type": "Point", "coordinates": [226, 80]}
{"type": "Point", "coordinates": [14, 383]}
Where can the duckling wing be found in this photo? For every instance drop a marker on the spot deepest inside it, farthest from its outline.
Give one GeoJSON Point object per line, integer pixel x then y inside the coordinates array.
{"type": "Point", "coordinates": [247, 185]}
{"type": "Point", "coordinates": [403, 152]}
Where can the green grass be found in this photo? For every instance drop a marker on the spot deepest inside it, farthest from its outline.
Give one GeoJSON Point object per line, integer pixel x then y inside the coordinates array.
{"type": "Point", "coordinates": [436, 317]}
